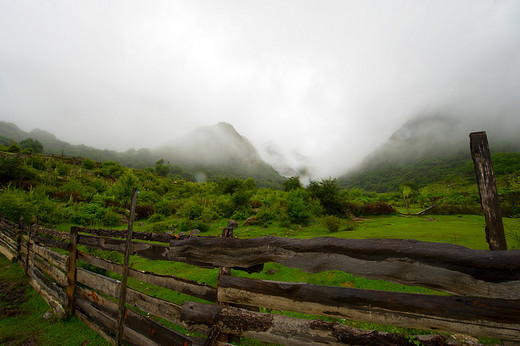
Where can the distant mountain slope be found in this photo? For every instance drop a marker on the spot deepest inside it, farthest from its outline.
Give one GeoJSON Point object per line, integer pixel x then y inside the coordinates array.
{"type": "Point", "coordinates": [219, 150]}
{"type": "Point", "coordinates": [211, 152]}
{"type": "Point", "coordinates": [427, 149]}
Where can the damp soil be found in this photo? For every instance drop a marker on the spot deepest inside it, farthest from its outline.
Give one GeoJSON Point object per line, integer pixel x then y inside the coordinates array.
{"type": "Point", "coordinates": [12, 295]}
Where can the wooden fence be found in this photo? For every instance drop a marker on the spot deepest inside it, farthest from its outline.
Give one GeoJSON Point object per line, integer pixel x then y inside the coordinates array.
{"type": "Point", "coordinates": [484, 287]}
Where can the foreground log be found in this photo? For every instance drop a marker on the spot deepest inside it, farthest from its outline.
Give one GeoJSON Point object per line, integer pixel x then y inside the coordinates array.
{"type": "Point", "coordinates": [474, 316]}
{"type": "Point", "coordinates": [286, 330]}
{"type": "Point", "coordinates": [445, 267]}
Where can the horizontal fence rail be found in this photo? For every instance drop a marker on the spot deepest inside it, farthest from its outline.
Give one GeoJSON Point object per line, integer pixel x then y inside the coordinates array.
{"type": "Point", "coordinates": [485, 286]}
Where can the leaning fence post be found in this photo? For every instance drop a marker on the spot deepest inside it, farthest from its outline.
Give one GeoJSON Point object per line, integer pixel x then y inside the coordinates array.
{"type": "Point", "coordinates": [122, 291]}
{"type": "Point", "coordinates": [28, 244]}
{"type": "Point", "coordinates": [71, 273]}
{"type": "Point", "coordinates": [487, 188]}
{"type": "Point", "coordinates": [19, 238]}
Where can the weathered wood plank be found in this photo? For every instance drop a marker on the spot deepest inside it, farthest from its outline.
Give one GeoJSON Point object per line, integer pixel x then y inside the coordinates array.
{"type": "Point", "coordinates": [474, 316]}
{"type": "Point", "coordinates": [52, 288]}
{"type": "Point", "coordinates": [8, 245]}
{"type": "Point", "coordinates": [98, 316]}
{"type": "Point", "coordinates": [46, 293]}
{"type": "Point", "coordinates": [51, 242]}
{"type": "Point", "coordinates": [56, 274]}
{"type": "Point", "coordinates": [92, 325]}
{"type": "Point", "coordinates": [10, 230]}
{"type": "Point", "coordinates": [54, 258]}
{"type": "Point", "coordinates": [109, 286]}
{"type": "Point", "coordinates": [98, 282]}
{"type": "Point", "coordinates": [104, 312]}
{"type": "Point", "coordinates": [155, 306]}
{"type": "Point", "coordinates": [487, 188]}
{"type": "Point", "coordinates": [6, 251]}
{"type": "Point", "coordinates": [54, 233]}
{"type": "Point", "coordinates": [181, 285]}
{"type": "Point", "coordinates": [446, 267]}
{"type": "Point", "coordinates": [8, 240]}
{"type": "Point", "coordinates": [287, 330]}
{"type": "Point", "coordinates": [142, 325]}
{"type": "Point", "coordinates": [158, 237]}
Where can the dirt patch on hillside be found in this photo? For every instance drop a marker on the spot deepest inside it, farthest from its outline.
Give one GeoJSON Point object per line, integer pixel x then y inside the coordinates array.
{"type": "Point", "coordinates": [12, 295]}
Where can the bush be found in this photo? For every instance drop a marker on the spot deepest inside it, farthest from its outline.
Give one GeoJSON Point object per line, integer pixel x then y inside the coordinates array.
{"type": "Point", "coordinates": [88, 164]}
{"type": "Point", "coordinates": [332, 223]}
{"type": "Point", "coordinates": [15, 203]}
{"type": "Point", "coordinates": [156, 218]}
{"type": "Point", "coordinates": [188, 225]}
{"type": "Point", "coordinates": [297, 209]}
{"type": "Point", "coordinates": [111, 219]}
{"type": "Point", "coordinates": [191, 209]}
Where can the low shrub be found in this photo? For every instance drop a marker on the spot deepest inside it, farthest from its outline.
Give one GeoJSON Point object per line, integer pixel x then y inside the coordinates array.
{"type": "Point", "coordinates": [332, 223]}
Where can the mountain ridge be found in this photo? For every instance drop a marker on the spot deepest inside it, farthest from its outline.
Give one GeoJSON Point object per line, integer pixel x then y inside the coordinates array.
{"type": "Point", "coordinates": [189, 159]}
{"type": "Point", "coordinates": [426, 148]}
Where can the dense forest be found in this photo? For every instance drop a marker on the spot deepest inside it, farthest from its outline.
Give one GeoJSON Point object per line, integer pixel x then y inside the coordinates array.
{"type": "Point", "coordinates": [73, 190]}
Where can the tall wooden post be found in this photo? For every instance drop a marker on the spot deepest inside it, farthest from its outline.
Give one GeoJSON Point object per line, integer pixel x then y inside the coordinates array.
{"type": "Point", "coordinates": [488, 190]}
{"type": "Point", "coordinates": [28, 244]}
{"type": "Point", "coordinates": [215, 333]}
{"type": "Point", "coordinates": [124, 279]}
{"type": "Point", "coordinates": [71, 273]}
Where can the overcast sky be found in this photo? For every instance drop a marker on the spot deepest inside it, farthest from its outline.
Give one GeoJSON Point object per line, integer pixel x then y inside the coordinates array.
{"type": "Point", "coordinates": [329, 80]}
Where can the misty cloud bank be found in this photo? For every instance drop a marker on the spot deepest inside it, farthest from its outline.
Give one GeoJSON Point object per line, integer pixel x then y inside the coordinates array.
{"type": "Point", "coordinates": [315, 86]}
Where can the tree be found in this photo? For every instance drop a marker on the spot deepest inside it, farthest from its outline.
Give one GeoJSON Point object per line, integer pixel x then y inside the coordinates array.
{"type": "Point", "coordinates": [33, 144]}
{"type": "Point", "coordinates": [327, 192]}
{"type": "Point", "coordinates": [162, 169]}
{"type": "Point", "coordinates": [14, 148]}
{"type": "Point", "coordinates": [292, 183]}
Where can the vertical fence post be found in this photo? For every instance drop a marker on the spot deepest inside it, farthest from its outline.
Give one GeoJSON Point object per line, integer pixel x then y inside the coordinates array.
{"type": "Point", "coordinates": [215, 333]}
{"type": "Point", "coordinates": [19, 233]}
{"type": "Point", "coordinates": [128, 250]}
{"type": "Point", "coordinates": [28, 244]}
{"type": "Point", "coordinates": [488, 190]}
{"type": "Point", "coordinates": [71, 273]}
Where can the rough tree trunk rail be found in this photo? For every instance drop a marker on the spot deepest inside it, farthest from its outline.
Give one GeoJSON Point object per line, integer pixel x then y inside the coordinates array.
{"type": "Point", "coordinates": [484, 287]}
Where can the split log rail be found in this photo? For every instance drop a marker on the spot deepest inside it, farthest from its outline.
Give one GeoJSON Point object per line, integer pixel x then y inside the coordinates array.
{"type": "Point", "coordinates": [483, 287]}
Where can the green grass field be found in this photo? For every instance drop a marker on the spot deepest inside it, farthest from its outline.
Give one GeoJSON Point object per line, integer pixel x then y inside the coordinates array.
{"type": "Point", "coordinates": [21, 315]}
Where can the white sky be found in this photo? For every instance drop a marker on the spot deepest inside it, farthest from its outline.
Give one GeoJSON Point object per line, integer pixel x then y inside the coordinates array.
{"type": "Point", "coordinates": [330, 80]}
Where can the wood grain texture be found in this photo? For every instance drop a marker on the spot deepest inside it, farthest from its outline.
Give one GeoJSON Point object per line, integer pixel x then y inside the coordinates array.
{"type": "Point", "coordinates": [153, 331]}
{"type": "Point", "coordinates": [181, 285]}
{"type": "Point", "coordinates": [56, 274]}
{"type": "Point", "coordinates": [52, 232]}
{"type": "Point", "coordinates": [54, 258]}
{"type": "Point", "coordinates": [51, 242]}
{"type": "Point", "coordinates": [487, 188]}
{"type": "Point", "coordinates": [6, 251]}
{"type": "Point", "coordinates": [446, 267]}
{"type": "Point", "coordinates": [473, 316]}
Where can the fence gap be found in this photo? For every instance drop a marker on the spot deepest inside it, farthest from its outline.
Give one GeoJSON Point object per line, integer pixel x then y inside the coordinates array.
{"type": "Point", "coordinates": [124, 279]}
{"type": "Point", "coordinates": [488, 190]}
{"type": "Point", "coordinates": [71, 272]}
